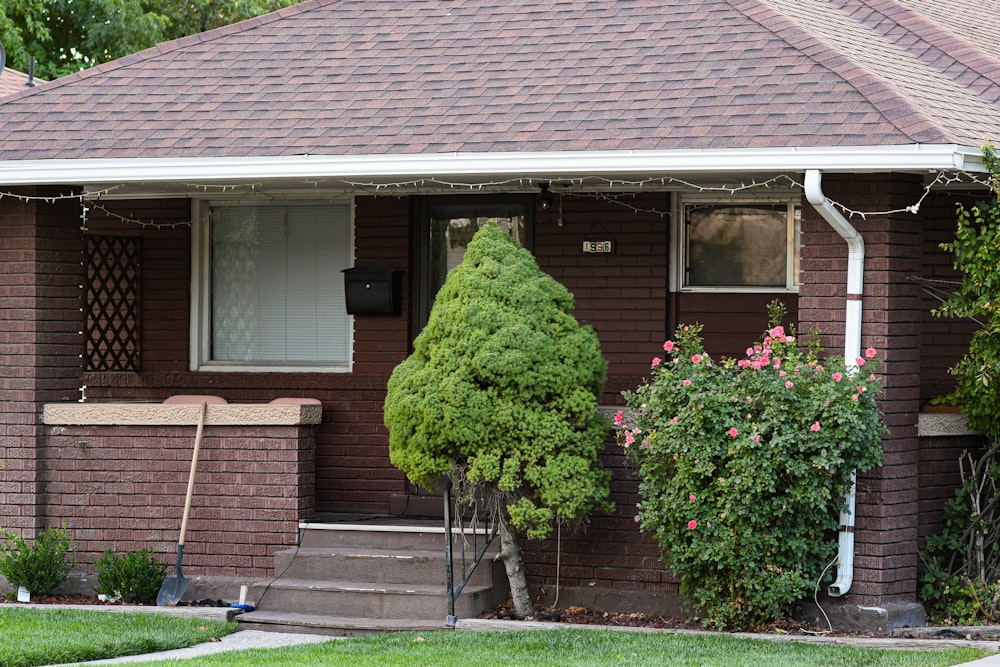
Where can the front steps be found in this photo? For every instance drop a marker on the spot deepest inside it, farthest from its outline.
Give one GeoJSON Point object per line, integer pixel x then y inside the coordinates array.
{"type": "Point", "coordinates": [350, 578]}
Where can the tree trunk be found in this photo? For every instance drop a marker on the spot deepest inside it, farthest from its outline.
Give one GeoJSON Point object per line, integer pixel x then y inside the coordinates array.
{"type": "Point", "coordinates": [510, 553]}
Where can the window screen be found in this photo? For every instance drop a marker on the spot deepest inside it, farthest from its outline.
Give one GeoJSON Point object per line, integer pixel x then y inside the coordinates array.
{"type": "Point", "coordinates": [737, 245]}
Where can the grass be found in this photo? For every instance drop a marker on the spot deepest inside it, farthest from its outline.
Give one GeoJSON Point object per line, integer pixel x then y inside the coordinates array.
{"type": "Point", "coordinates": [42, 637]}
{"type": "Point", "coordinates": [577, 648]}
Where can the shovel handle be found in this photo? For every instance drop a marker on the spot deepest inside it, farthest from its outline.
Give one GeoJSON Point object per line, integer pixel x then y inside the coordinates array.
{"type": "Point", "coordinates": [190, 486]}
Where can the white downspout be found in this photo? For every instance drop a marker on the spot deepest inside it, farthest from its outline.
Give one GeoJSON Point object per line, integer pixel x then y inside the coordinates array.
{"type": "Point", "coordinates": [852, 350]}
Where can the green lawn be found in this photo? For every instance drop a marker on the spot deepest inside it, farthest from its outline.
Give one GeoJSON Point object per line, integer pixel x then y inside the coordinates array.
{"type": "Point", "coordinates": [31, 637]}
{"type": "Point", "coordinates": [573, 647]}
{"type": "Point", "coordinates": [42, 636]}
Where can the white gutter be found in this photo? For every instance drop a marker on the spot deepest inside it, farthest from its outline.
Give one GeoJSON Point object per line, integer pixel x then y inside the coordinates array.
{"type": "Point", "coordinates": [550, 165]}
{"type": "Point", "coordinates": [852, 350]}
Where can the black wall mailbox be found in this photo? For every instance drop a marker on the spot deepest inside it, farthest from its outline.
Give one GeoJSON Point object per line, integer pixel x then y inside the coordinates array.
{"type": "Point", "coordinates": [372, 291]}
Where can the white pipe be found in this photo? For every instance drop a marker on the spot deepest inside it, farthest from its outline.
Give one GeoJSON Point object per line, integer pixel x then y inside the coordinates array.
{"type": "Point", "coordinates": [852, 350]}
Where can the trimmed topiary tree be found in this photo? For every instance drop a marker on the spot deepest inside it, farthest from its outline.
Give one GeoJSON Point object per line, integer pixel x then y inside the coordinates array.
{"type": "Point", "coordinates": [500, 394]}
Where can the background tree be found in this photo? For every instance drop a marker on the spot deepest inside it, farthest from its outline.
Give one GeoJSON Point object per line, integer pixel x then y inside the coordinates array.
{"type": "Point", "coordinates": [500, 394]}
{"type": "Point", "coordinates": [66, 36]}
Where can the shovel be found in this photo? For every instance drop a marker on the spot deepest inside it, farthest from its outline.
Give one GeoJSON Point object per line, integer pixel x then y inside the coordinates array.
{"type": "Point", "coordinates": [173, 588]}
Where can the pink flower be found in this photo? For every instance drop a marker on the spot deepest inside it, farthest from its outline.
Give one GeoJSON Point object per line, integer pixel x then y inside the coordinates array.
{"type": "Point", "coordinates": [656, 362]}
{"type": "Point", "coordinates": [815, 427]}
{"type": "Point", "coordinates": [860, 361]}
{"type": "Point", "coordinates": [695, 358]}
{"type": "Point", "coordinates": [765, 361]}
{"type": "Point", "coordinates": [854, 398]}
{"type": "Point", "coordinates": [637, 519]}
{"type": "Point", "coordinates": [870, 352]}
{"type": "Point", "coordinates": [673, 421]}
{"type": "Point", "coordinates": [645, 443]}
{"type": "Point", "coordinates": [629, 439]}
{"type": "Point", "coordinates": [777, 332]}
{"type": "Point", "coordinates": [733, 432]}
{"type": "Point", "coordinates": [687, 383]}
{"type": "Point", "coordinates": [872, 377]}
{"type": "Point", "coordinates": [692, 498]}
{"type": "Point", "coordinates": [789, 384]}
{"type": "Point", "coordinates": [692, 524]}
{"type": "Point", "coordinates": [668, 346]}
{"type": "Point", "coordinates": [749, 351]}
{"type": "Point", "coordinates": [756, 439]}
{"type": "Point", "coordinates": [782, 374]}
{"type": "Point", "coordinates": [837, 376]}
{"type": "Point", "coordinates": [618, 418]}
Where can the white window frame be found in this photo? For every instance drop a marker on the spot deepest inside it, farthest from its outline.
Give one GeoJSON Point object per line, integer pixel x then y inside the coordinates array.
{"type": "Point", "coordinates": [201, 294]}
{"type": "Point", "coordinates": [678, 239]}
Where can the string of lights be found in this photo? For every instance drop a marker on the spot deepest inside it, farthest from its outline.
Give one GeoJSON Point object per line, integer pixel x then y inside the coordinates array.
{"type": "Point", "coordinates": [611, 190]}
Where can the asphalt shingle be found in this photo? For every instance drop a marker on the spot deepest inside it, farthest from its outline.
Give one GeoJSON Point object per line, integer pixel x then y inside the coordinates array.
{"type": "Point", "coordinates": [347, 77]}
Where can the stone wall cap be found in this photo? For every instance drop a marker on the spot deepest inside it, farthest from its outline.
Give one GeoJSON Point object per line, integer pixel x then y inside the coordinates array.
{"type": "Point", "coordinates": [182, 414]}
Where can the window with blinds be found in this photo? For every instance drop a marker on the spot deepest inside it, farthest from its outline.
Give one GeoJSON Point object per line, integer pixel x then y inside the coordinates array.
{"type": "Point", "coordinates": [276, 285]}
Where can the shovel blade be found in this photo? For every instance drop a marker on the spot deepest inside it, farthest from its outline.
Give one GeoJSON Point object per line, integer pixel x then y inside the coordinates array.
{"type": "Point", "coordinates": [172, 591]}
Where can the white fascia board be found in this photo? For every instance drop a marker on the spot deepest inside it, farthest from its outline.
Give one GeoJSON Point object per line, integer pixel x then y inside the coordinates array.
{"type": "Point", "coordinates": [916, 157]}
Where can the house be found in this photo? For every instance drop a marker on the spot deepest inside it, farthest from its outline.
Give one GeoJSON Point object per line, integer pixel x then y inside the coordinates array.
{"type": "Point", "coordinates": [178, 222]}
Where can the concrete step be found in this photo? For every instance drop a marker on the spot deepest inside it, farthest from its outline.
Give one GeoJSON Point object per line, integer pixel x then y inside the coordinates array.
{"type": "Point", "coordinates": [354, 599]}
{"type": "Point", "coordinates": [391, 566]}
{"type": "Point", "coordinates": [395, 535]}
{"type": "Point", "coordinates": [333, 626]}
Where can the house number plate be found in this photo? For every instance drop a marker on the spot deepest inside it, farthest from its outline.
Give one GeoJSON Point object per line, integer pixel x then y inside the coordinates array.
{"type": "Point", "coordinates": [598, 247]}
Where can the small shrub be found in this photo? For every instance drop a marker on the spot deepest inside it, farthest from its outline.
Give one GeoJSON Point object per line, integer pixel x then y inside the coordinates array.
{"type": "Point", "coordinates": [41, 567]}
{"type": "Point", "coordinates": [744, 466]}
{"type": "Point", "coordinates": [134, 577]}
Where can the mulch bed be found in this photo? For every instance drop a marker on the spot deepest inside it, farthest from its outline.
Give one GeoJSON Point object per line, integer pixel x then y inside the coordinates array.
{"type": "Point", "coordinates": [79, 599]}
{"type": "Point", "coordinates": [584, 616]}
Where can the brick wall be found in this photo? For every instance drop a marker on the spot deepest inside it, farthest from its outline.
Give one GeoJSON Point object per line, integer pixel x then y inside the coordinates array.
{"type": "Point", "coordinates": [623, 295]}
{"type": "Point", "coordinates": [886, 528]}
{"type": "Point", "coordinates": [940, 476]}
{"type": "Point", "coordinates": [123, 488]}
{"type": "Point", "coordinates": [607, 557]}
{"type": "Point", "coordinates": [943, 341]}
{"type": "Point", "coordinates": [40, 249]}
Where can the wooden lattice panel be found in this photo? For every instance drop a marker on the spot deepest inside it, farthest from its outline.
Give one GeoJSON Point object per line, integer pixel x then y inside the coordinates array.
{"type": "Point", "coordinates": [112, 303]}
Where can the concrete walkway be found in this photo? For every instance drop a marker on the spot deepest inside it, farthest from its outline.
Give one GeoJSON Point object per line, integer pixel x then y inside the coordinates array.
{"type": "Point", "coordinates": [256, 639]}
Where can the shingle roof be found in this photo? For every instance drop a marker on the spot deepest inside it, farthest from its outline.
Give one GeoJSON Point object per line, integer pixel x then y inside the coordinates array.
{"type": "Point", "coordinates": [353, 77]}
{"type": "Point", "coordinates": [12, 81]}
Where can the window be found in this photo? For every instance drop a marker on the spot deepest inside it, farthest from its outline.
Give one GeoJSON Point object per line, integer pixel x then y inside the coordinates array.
{"type": "Point", "coordinates": [447, 226]}
{"type": "Point", "coordinates": [270, 288]}
{"type": "Point", "coordinates": [749, 246]}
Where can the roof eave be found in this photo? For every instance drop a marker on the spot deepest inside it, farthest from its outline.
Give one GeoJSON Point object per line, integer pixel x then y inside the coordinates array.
{"type": "Point", "coordinates": [864, 159]}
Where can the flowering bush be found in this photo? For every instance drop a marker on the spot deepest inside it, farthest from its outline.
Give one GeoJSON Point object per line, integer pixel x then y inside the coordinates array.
{"type": "Point", "coordinates": [744, 466]}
